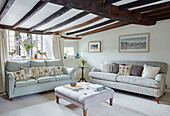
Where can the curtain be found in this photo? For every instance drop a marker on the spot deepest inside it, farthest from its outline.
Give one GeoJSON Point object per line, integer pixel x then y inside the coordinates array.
{"type": "Point", "coordinates": [3, 57]}
{"type": "Point", "coordinates": [58, 47]}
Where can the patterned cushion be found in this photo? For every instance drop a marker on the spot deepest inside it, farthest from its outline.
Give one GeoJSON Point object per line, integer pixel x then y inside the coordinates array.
{"type": "Point", "coordinates": [124, 70]}
{"type": "Point", "coordinates": [150, 71]}
{"type": "Point", "coordinates": [104, 76]}
{"type": "Point", "coordinates": [50, 71]}
{"type": "Point", "coordinates": [38, 71]}
{"type": "Point", "coordinates": [19, 75]}
{"type": "Point", "coordinates": [28, 72]}
{"type": "Point", "coordinates": [138, 81]}
{"type": "Point", "coordinates": [58, 70]}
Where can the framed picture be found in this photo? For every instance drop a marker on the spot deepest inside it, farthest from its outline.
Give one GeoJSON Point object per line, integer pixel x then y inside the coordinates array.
{"type": "Point", "coordinates": [136, 43]}
{"type": "Point", "coordinates": [94, 46]}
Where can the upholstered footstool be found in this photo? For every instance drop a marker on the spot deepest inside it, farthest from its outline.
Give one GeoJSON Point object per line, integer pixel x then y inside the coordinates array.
{"type": "Point", "coordinates": [85, 97]}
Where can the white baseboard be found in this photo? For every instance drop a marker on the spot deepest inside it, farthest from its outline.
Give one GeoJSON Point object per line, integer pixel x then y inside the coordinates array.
{"type": "Point", "coordinates": [167, 90]}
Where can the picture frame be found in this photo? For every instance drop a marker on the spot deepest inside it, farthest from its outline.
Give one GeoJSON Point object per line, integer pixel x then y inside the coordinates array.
{"type": "Point", "coordinates": [134, 43]}
{"type": "Point", "coordinates": [94, 46]}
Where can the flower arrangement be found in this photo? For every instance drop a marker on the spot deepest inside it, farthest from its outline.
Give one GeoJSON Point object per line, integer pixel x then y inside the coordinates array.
{"type": "Point", "coordinates": [27, 43]}
{"type": "Point", "coordinates": [83, 61]}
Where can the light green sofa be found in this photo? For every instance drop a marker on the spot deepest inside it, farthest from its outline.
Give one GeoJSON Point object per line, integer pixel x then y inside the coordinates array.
{"type": "Point", "coordinates": [30, 86]}
{"type": "Point", "coordinates": [146, 86]}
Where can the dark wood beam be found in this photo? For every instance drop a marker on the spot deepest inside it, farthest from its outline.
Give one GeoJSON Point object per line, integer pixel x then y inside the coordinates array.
{"type": "Point", "coordinates": [159, 16]}
{"type": "Point", "coordinates": [136, 3]}
{"type": "Point", "coordinates": [80, 15]}
{"type": "Point", "coordinates": [81, 25]}
{"type": "Point", "coordinates": [105, 10]}
{"type": "Point", "coordinates": [71, 38]}
{"type": "Point", "coordinates": [111, 1]}
{"type": "Point", "coordinates": [34, 10]}
{"type": "Point", "coordinates": [23, 30]}
{"type": "Point", "coordinates": [163, 18]}
{"type": "Point", "coordinates": [153, 7]}
{"type": "Point", "coordinates": [51, 17]}
{"type": "Point", "coordinates": [157, 11]}
{"type": "Point", "coordinates": [5, 8]}
{"type": "Point", "coordinates": [91, 27]}
{"type": "Point", "coordinates": [118, 24]}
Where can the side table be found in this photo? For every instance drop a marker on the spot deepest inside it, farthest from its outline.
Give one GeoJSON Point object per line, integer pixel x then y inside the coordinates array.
{"type": "Point", "coordinates": [82, 78]}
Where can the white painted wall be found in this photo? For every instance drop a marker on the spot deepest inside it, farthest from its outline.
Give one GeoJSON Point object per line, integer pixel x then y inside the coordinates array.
{"type": "Point", "coordinates": [159, 45]}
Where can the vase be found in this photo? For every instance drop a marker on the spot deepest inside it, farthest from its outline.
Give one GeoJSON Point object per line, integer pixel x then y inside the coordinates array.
{"type": "Point", "coordinates": [83, 63]}
{"type": "Point", "coordinates": [77, 56]}
{"type": "Point", "coordinates": [28, 52]}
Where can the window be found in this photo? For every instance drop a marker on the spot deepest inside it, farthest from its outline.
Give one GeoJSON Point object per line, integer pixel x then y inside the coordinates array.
{"type": "Point", "coordinates": [12, 39]}
{"type": "Point", "coordinates": [69, 50]}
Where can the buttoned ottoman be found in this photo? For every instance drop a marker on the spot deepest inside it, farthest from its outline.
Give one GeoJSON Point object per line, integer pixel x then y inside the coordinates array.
{"type": "Point", "coordinates": [85, 97]}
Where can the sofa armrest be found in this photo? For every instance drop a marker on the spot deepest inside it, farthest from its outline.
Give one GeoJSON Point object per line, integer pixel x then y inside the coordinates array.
{"type": "Point", "coordinates": [69, 71]}
{"type": "Point", "coordinates": [161, 78]}
{"type": "Point", "coordinates": [9, 83]}
{"type": "Point", "coordinates": [95, 70]}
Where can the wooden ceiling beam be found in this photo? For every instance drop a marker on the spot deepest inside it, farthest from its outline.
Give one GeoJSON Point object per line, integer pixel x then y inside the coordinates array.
{"type": "Point", "coordinates": [81, 25]}
{"type": "Point", "coordinates": [111, 1]}
{"type": "Point", "coordinates": [157, 11]}
{"type": "Point", "coordinates": [71, 38]}
{"type": "Point", "coordinates": [50, 18]}
{"type": "Point", "coordinates": [91, 27]}
{"type": "Point", "coordinates": [23, 30]}
{"type": "Point", "coordinates": [136, 4]}
{"type": "Point", "coordinates": [159, 16]}
{"type": "Point", "coordinates": [70, 20]}
{"type": "Point", "coordinates": [163, 18]}
{"type": "Point", "coordinates": [5, 8]}
{"type": "Point", "coordinates": [34, 10]}
{"type": "Point", "coordinates": [152, 7]}
{"type": "Point", "coordinates": [115, 25]}
{"type": "Point", "coordinates": [105, 10]}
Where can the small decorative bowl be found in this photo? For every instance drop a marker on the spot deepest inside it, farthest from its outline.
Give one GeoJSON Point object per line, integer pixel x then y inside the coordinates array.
{"type": "Point", "coordinates": [73, 84]}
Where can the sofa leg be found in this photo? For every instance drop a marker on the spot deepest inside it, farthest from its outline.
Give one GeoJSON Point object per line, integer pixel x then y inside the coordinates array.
{"type": "Point", "coordinates": [111, 101]}
{"type": "Point", "coordinates": [84, 112]}
{"type": "Point", "coordinates": [46, 92]}
{"type": "Point", "coordinates": [11, 99]}
{"type": "Point", "coordinates": [57, 99]}
{"type": "Point", "coordinates": [157, 100]}
{"type": "Point", "coordinates": [164, 93]}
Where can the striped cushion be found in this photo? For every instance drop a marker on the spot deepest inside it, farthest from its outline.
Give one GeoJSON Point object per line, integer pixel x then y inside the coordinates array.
{"type": "Point", "coordinates": [104, 76]}
{"type": "Point", "coordinates": [147, 82]}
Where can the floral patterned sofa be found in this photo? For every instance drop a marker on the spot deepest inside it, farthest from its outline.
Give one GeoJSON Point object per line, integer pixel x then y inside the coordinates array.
{"type": "Point", "coordinates": [22, 85]}
{"type": "Point", "coordinates": [146, 86]}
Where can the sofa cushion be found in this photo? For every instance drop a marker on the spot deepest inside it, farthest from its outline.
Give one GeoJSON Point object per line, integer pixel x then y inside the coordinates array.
{"type": "Point", "coordinates": [105, 68]}
{"type": "Point", "coordinates": [138, 81]}
{"type": "Point", "coordinates": [136, 70]}
{"type": "Point", "coordinates": [50, 71]}
{"type": "Point", "coordinates": [104, 76]}
{"type": "Point", "coordinates": [12, 66]}
{"type": "Point", "coordinates": [45, 79]}
{"type": "Point", "coordinates": [124, 70]}
{"type": "Point", "coordinates": [38, 63]}
{"type": "Point", "coordinates": [115, 68]}
{"type": "Point", "coordinates": [38, 72]}
{"type": "Point", "coordinates": [19, 75]}
{"type": "Point", "coordinates": [62, 77]}
{"type": "Point", "coordinates": [58, 70]}
{"type": "Point", "coordinates": [29, 81]}
{"type": "Point", "coordinates": [28, 72]}
{"type": "Point", "coordinates": [53, 63]}
{"type": "Point", "coordinates": [150, 71]}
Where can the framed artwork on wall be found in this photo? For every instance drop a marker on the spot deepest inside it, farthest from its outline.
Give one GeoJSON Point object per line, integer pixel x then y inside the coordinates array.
{"type": "Point", "coordinates": [136, 43]}
{"type": "Point", "coordinates": [94, 46]}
